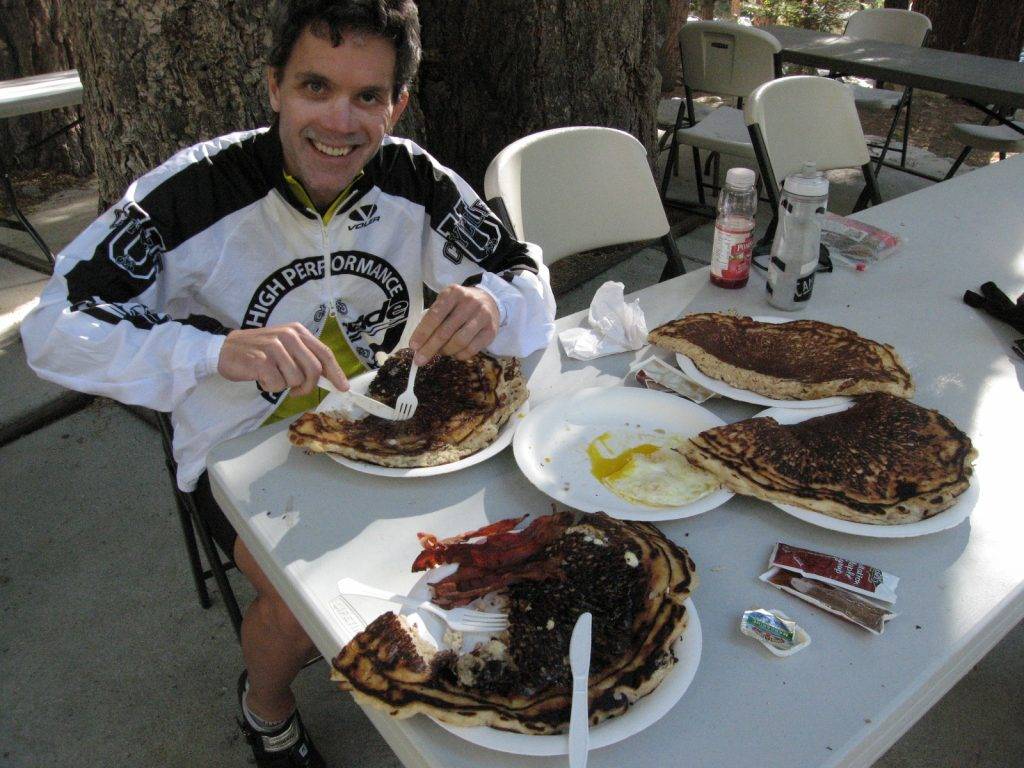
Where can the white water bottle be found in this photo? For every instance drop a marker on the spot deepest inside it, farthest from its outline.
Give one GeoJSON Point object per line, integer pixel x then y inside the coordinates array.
{"type": "Point", "coordinates": [794, 257]}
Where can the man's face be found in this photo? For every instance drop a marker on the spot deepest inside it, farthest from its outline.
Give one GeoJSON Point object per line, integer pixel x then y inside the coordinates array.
{"type": "Point", "coordinates": [334, 106]}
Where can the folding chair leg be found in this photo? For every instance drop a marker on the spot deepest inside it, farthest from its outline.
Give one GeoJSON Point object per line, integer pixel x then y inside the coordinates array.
{"type": "Point", "coordinates": [673, 260]}
{"type": "Point", "coordinates": [892, 132]}
{"type": "Point", "coordinates": [673, 154]}
{"type": "Point", "coordinates": [958, 162]}
{"type": "Point", "coordinates": [221, 577]}
{"type": "Point", "coordinates": [906, 128]}
{"type": "Point", "coordinates": [193, 553]}
{"type": "Point", "coordinates": [871, 191]}
{"type": "Point", "coordinates": [699, 176]}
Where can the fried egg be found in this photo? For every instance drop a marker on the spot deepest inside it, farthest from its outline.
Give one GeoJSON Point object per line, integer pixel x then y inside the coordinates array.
{"type": "Point", "coordinates": [648, 473]}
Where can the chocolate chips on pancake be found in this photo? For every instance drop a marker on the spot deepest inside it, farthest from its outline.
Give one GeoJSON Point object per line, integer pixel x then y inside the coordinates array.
{"type": "Point", "coordinates": [628, 575]}
{"type": "Point", "coordinates": [798, 360]}
{"type": "Point", "coordinates": [462, 406]}
{"type": "Point", "coordinates": [884, 460]}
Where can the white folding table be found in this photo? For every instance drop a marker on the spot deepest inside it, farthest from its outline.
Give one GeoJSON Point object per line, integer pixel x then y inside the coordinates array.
{"type": "Point", "coordinates": [25, 96]}
{"type": "Point", "coordinates": [848, 697]}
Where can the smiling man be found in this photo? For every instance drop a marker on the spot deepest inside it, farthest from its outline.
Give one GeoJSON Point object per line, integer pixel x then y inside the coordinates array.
{"type": "Point", "coordinates": [228, 280]}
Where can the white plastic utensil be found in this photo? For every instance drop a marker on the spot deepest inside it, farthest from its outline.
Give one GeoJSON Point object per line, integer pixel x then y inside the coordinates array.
{"type": "Point", "coordinates": [368, 404]}
{"type": "Point", "coordinates": [579, 663]}
{"type": "Point", "coordinates": [407, 402]}
{"type": "Point", "coordinates": [461, 619]}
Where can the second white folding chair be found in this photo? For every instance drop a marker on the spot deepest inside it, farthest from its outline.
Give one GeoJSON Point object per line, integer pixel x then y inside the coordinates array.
{"type": "Point", "coordinates": [574, 189]}
{"type": "Point", "coordinates": [794, 120]}
{"type": "Point", "coordinates": [722, 58]}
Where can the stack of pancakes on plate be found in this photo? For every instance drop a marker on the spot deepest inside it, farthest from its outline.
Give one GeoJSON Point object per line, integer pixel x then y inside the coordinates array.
{"type": "Point", "coordinates": [799, 360]}
{"type": "Point", "coordinates": [462, 406]}
{"type": "Point", "coordinates": [628, 575]}
{"type": "Point", "coordinates": [883, 460]}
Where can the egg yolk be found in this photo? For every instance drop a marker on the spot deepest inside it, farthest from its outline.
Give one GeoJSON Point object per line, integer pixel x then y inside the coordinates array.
{"type": "Point", "coordinates": [601, 465]}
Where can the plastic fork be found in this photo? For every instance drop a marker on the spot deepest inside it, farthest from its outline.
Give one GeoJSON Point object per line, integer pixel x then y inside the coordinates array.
{"type": "Point", "coordinates": [461, 619]}
{"type": "Point", "coordinates": [407, 402]}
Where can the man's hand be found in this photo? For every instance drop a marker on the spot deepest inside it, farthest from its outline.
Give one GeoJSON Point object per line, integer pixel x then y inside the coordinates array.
{"type": "Point", "coordinates": [279, 357]}
{"type": "Point", "coordinates": [460, 323]}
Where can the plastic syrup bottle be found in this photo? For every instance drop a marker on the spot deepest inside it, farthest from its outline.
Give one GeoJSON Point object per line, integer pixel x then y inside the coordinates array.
{"type": "Point", "coordinates": [734, 227]}
{"type": "Point", "coordinates": [794, 257]}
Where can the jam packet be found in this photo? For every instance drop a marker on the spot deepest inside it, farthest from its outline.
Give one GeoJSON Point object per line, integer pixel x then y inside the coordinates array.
{"type": "Point", "coordinates": [831, 569]}
{"type": "Point", "coordinates": [775, 631]}
{"type": "Point", "coordinates": [655, 373]}
{"type": "Point", "coordinates": [837, 601]}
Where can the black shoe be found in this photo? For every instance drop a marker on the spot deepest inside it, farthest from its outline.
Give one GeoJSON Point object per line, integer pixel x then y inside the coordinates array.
{"type": "Point", "coordinates": [301, 754]}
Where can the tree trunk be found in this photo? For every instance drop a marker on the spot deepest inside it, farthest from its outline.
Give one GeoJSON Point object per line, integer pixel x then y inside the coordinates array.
{"type": "Point", "coordinates": [735, 8]}
{"type": "Point", "coordinates": [904, 4]}
{"type": "Point", "coordinates": [707, 9]}
{"type": "Point", "coordinates": [496, 70]}
{"type": "Point", "coordinates": [984, 27]}
{"type": "Point", "coordinates": [671, 20]}
{"type": "Point", "coordinates": [165, 74]}
{"type": "Point", "coordinates": [32, 42]}
{"type": "Point", "coordinates": [997, 29]}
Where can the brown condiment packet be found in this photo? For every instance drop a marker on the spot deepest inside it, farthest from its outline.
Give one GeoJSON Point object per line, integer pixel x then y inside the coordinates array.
{"type": "Point", "coordinates": [838, 571]}
{"type": "Point", "coordinates": [835, 600]}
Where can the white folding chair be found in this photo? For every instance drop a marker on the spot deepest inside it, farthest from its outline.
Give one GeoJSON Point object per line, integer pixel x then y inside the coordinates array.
{"type": "Point", "coordinates": [723, 58]}
{"type": "Point", "coordinates": [573, 189]}
{"type": "Point", "coordinates": [990, 138]}
{"type": "Point", "coordinates": [891, 25]}
{"type": "Point", "coordinates": [803, 118]}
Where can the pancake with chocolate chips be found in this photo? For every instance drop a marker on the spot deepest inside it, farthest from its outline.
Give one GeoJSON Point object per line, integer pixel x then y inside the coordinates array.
{"type": "Point", "coordinates": [462, 406]}
{"type": "Point", "coordinates": [883, 460]}
{"type": "Point", "coordinates": [798, 360]}
{"type": "Point", "coordinates": [632, 579]}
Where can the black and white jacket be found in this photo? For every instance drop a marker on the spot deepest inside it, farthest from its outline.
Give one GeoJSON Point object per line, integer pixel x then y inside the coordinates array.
{"type": "Point", "coordinates": [213, 240]}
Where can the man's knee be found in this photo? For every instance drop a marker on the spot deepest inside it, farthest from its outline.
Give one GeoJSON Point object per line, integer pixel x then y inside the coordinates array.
{"type": "Point", "coordinates": [271, 606]}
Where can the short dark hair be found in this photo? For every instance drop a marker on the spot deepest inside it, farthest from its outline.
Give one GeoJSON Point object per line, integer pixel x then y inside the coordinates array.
{"type": "Point", "coordinates": [396, 20]}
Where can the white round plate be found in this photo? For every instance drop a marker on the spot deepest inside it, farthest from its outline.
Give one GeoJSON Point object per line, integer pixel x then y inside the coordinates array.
{"type": "Point", "coordinates": [362, 382]}
{"type": "Point", "coordinates": [551, 445]}
{"type": "Point", "coordinates": [687, 366]}
{"type": "Point", "coordinates": [645, 712]}
{"type": "Point", "coordinates": [948, 518]}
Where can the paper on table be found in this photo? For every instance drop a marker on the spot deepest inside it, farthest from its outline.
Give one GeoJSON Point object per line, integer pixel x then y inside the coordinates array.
{"type": "Point", "coordinates": [615, 326]}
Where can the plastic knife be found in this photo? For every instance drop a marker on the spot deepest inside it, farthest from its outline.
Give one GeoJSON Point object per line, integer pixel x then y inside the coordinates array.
{"type": "Point", "coordinates": [368, 404]}
{"type": "Point", "coordinates": [579, 663]}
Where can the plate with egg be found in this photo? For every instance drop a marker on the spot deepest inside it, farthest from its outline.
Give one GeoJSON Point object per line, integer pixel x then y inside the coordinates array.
{"type": "Point", "coordinates": [609, 449]}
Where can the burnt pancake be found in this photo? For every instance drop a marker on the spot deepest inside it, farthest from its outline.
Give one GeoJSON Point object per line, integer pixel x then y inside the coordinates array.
{"type": "Point", "coordinates": [798, 360]}
{"type": "Point", "coordinates": [628, 575]}
{"type": "Point", "coordinates": [462, 406]}
{"type": "Point", "coordinates": [884, 460]}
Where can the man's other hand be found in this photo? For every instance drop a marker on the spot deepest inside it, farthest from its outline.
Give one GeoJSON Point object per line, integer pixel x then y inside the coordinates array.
{"type": "Point", "coordinates": [460, 323]}
{"type": "Point", "coordinates": [280, 357]}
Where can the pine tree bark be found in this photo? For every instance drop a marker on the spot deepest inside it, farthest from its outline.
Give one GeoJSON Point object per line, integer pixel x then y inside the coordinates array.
{"type": "Point", "coordinates": [983, 27]}
{"type": "Point", "coordinates": [32, 42]}
{"type": "Point", "coordinates": [496, 70]}
{"type": "Point", "coordinates": [670, 21]}
{"type": "Point", "coordinates": [164, 74]}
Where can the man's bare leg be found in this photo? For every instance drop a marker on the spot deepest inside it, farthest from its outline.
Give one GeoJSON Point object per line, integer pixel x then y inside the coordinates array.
{"type": "Point", "coordinates": [274, 644]}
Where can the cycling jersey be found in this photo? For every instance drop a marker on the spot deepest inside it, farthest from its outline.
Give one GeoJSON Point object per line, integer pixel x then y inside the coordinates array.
{"type": "Point", "coordinates": [214, 240]}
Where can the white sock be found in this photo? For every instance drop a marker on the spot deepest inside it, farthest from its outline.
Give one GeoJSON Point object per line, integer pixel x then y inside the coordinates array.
{"type": "Point", "coordinates": [274, 739]}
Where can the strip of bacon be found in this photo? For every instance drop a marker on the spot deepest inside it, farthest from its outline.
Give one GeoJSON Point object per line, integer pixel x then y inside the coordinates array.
{"type": "Point", "coordinates": [434, 549]}
{"type": "Point", "coordinates": [451, 594]}
{"type": "Point", "coordinates": [498, 550]}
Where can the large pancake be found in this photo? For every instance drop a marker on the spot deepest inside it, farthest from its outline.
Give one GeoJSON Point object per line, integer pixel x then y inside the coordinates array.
{"type": "Point", "coordinates": [628, 575]}
{"type": "Point", "coordinates": [798, 360]}
{"type": "Point", "coordinates": [884, 460]}
{"type": "Point", "coordinates": [462, 407]}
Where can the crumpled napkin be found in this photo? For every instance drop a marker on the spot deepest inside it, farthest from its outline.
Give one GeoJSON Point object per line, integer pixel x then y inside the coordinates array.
{"type": "Point", "coordinates": [615, 326]}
